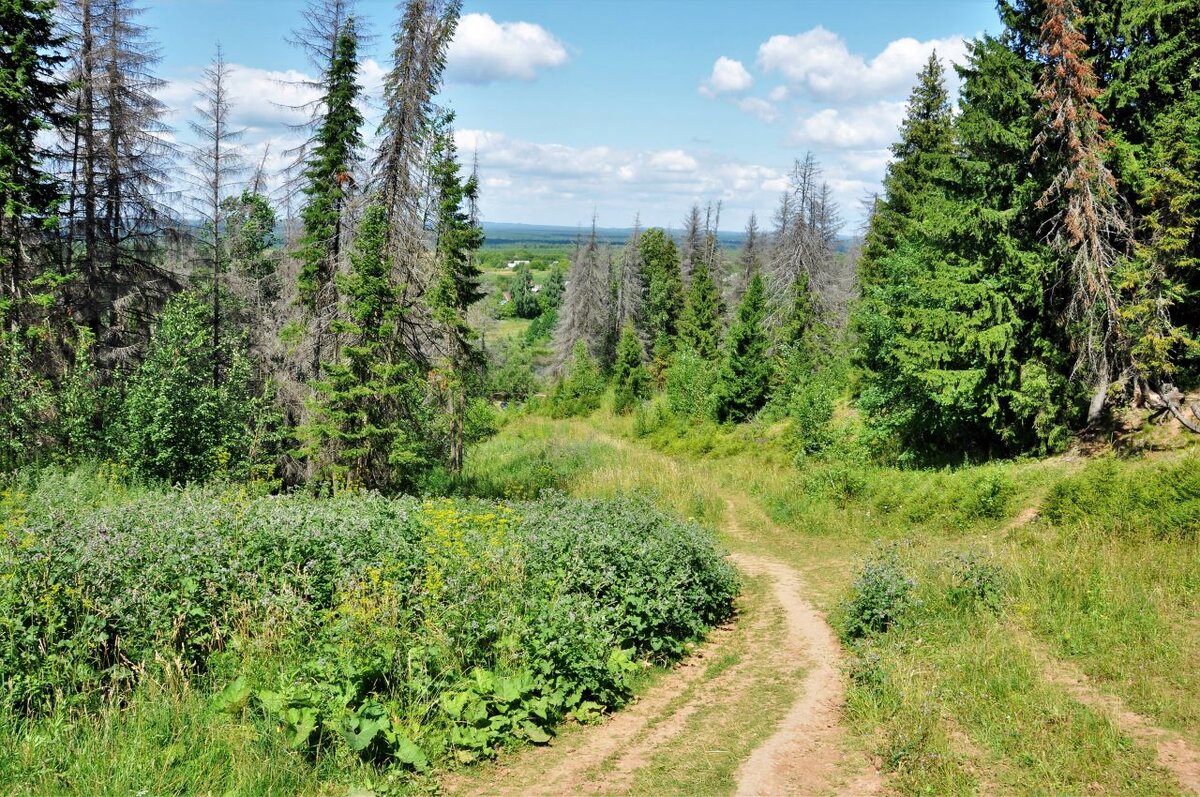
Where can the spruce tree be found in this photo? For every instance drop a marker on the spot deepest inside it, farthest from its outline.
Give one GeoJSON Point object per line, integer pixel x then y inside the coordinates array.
{"type": "Point", "coordinates": [524, 300]}
{"type": "Point", "coordinates": [456, 288]}
{"type": "Point", "coordinates": [922, 159]}
{"type": "Point", "coordinates": [327, 174]}
{"type": "Point", "coordinates": [631, 380]}
{"type": "Point", "coordinates": [371, 425]}
{"type": "Point", "coordinates": [29, 97]}
{"type": "Point", "coordinates": [700, 323]}
{"type": "Point", "coordinates": [744, 378]}
{"type": "Point", "coordinates": [664, 290]}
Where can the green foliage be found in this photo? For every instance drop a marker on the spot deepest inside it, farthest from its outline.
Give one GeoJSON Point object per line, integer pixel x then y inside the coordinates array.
{"type": "Point", "coordinates": [810, 409]}
{"type": "Point", "coordinates": [961, 353]}
{"type": "Point", "coordinates": [88, 411]}
{"type": "Point", "coordinates": [29, 93]}
{"type": "Point", "coordinates": [631, 380]}
{"type": "Point", "coordinates": [745, 374]}
{"type": "Point", "coordinates": [664, 290]}
{"type": "Point", "coordinates": [542, 328]}
{"type": "Point", "coordinates": [329, 168]}
{"type": "Point", "coordinates": [179, 426]}
{"type": "Point", "coordinates": [690, 380]}
{"type": "Point", "coordinates": [1160, 499]}
{"type": "Point", "coordinates": [880, 598]}
{"type": "Point", "coordinates": [581, 387]}
{"type": "Point", "coordinates": [363, 628]}
{"type": "Point", "coordinates": [976, 582]}
{"type": "Point", "coordinates": [371, 424]}
{"type": "Point", "coordinates": [700, 323]}
{"type": "Point", "coordinates": [250, 229]}
{"type": "Point", "coordinates": [524, 301]}
{"type": "Point", "coordinates": [552, 292]}
{"type": "Point", "coordinates": [510, 375]}
{"type": "Point", "coordinates": [25, 402]}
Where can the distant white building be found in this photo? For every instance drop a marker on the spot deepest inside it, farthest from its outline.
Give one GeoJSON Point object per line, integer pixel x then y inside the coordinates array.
{"type": "Point", "coordinates": [515, 263]}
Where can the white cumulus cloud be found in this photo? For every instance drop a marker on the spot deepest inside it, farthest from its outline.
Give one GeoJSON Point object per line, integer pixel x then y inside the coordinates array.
{"type": "Point", "coordinates": [819, 63]}
{"type": "Point", "coordinates": [561, 184]}
{"type": "Point", "coordinates": [485, 51]}
{"type": "Point", "coordinates": [728, 77]}
{"type": "Point", "coordinates": [867, 127]}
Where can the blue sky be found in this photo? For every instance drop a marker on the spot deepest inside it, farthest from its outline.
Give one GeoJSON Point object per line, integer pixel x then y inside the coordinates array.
{"type": "Point", "coordinates": [619, 107]}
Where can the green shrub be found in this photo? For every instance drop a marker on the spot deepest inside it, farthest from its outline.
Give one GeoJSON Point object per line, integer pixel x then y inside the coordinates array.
{"type": "Point", "coordinates": [690, 381]}
{"type": "Point", "coordinates": [976, 582]}
{"type": "Point", "coordinates": [987, 496]}
{"type": "Point", "coordinates": [179, 425]}
{"type": "Point", "coordinates": [880, 597]}
{"type": "Point", "coordinates": [1130, 498]}
{"type": "Point", "coordinates": [380, 630]}
{"type": "Point", "coordinates": [631, 380]}
{"type": "Point", "coordinates": [811, 412]}
{"type": "Point", "coordinates": [581, 388]}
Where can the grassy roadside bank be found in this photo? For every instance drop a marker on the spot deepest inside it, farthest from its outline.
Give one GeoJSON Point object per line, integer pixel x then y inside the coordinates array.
{"type": "Point", "coordinates": [1006, 572]}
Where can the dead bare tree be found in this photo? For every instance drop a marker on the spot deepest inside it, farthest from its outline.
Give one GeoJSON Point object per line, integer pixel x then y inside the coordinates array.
{"type": "Point", "coordinates": [586, 310]}
{"type": "Point", "coordinates": [401, 170]}
{"type": "Point", "coordinates": [803, 244]}
{"type": "Point", "coordinates": [115, 161]}
{"type": "Point", "coordinates": [216, 163]}
{"type": "Point", "coordinates": [631, 287]}
{"type": "Point", "coordinates": [1088, 224]}
{"type": "Point", "coordinates": [749, 263]}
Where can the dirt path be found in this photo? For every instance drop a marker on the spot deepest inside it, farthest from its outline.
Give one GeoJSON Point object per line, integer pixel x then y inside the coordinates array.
{"type": "Point", "coordinates": [781, 661]}
{"type": "Point", "coordinates": [807, 753]}
{"type": "Point", "coordinates": [1172, 752]}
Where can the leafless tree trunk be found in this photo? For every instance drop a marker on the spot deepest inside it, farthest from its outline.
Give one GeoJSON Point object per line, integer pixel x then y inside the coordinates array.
{"type": "Point", "coordinates": [114, 160]}
{"type": "Point", "coordinates": [216, 161]}
{"type": "Point", "coordinates": [631, 288]}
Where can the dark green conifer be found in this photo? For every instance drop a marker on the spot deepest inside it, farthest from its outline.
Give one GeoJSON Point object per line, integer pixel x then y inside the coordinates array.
{"type": "Point", "coordinates": [664, 290]}
{"type": "Point", "coordinates": [328, 174]}
{"type": "Point", "coordinates": [631, 380]}
{"type": "Point", "coordinates": [371, 425]}
{"type": "Point", "coordinates": [700, 323]}
{"type": "Point", "coordinates": [745, 375]}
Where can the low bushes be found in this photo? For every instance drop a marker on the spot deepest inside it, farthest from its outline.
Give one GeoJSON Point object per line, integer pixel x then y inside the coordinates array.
{"type": "Point", "coordinates": [391, 631]}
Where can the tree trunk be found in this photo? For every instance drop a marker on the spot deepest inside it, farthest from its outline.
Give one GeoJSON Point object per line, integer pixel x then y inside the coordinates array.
{"type": "Point", "coordinates": [1100, 396]}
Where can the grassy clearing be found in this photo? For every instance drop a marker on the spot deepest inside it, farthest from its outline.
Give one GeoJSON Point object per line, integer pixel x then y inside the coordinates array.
{"type": "Point", "coordinates": [1096, 562]}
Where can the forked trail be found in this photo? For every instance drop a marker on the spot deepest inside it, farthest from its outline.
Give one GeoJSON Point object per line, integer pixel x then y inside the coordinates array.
{"type": "Point", "coordinates": [773, 677]}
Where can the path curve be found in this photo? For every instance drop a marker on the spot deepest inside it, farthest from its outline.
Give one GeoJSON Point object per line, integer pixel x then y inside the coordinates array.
{"type": "Point", "coordinates": [808, 752]}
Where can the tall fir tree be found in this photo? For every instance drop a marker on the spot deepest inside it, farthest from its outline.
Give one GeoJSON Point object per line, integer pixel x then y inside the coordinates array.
{"type": "Point", "coordinates": [744, 378]}
{"type": "Point", "coordinates": [328, 179]}
{"type": "Point", "coordinates": [700, 324]}
{"type": "Point", "coordinates": [371, 424]}
{"type": "Point", "coordinates": [921, 159]}
{"type": "Point", "coordinates": [30, 92]}
{"type": "Point", "coordinates": [664, 291]}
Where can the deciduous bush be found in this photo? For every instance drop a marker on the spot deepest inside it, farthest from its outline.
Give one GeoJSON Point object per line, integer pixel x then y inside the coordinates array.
{"type": "Point", "coordinates": [880, 597]}
{"type": "Point", "coordinates": [392, 630]}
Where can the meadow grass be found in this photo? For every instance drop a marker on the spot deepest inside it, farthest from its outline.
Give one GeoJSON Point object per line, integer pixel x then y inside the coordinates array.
{"type": "Point", "coordinates": [1093, 562]}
